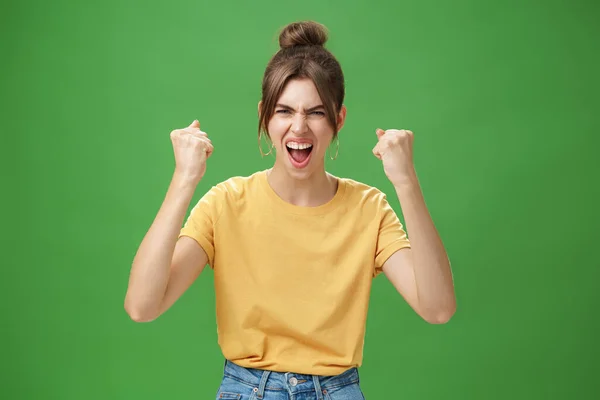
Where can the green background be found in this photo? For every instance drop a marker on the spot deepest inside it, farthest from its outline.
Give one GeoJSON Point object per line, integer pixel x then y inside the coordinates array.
{"type": "Point", "coordinates": [503, 100]}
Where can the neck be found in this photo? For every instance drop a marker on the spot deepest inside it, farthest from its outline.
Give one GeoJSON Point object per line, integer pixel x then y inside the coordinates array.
{"type": "Point", "coordinates": [312, 191]}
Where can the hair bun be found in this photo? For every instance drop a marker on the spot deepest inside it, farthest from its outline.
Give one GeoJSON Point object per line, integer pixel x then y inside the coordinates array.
{"type": "Point", "coordinates": [304, 33]}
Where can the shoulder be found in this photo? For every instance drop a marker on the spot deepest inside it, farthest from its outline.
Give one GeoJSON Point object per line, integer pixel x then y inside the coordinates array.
{"type": "Point", "coordinates": [362, 192]}
{"type": "Point", "coordinates": [237, 186]}
{"type": "Point", "coordinates": [226, 194]}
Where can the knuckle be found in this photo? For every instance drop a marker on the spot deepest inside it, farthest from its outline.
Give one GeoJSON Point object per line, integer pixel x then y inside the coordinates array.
{"type": "Point", "coordinates": [198, 134]}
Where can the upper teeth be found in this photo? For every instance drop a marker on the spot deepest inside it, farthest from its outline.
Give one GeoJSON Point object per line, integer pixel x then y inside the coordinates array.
{"type": "Point", "coordinates": [298, 146]}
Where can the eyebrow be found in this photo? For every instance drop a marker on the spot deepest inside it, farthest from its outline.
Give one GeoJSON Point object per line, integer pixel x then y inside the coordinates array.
{"type": "Point", "coordinates": [308, 109]}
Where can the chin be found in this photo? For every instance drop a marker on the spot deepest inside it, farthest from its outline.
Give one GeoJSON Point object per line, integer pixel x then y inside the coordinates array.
{"type": "Point", "coordinates": [299, 175]}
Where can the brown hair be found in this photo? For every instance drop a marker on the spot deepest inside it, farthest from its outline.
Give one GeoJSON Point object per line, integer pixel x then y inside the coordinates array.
{"type": "Point", "coordinates": [302, 55]}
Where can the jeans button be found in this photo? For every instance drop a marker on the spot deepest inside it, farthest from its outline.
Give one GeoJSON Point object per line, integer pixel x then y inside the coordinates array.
{"type": "Point", "coordinates": [293, 381]}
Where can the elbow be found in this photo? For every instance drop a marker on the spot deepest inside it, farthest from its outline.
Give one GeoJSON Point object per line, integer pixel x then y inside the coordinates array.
{"type": "Point", "coordinates": [438, 319]}
{"type": "Point", "coordinates": [139, 317]}
{"type": "Point", "coordinates": [440, 316]}
{"type": "Point", "coordinates": [139, 314]}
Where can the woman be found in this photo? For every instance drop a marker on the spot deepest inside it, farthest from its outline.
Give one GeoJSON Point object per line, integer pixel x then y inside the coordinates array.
{"type": "Point", "coordinates": [294, 249]}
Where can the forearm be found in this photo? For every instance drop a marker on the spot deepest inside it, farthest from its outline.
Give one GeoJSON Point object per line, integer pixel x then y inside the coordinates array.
{"type": "Point", "coordinates": [433, 274]}
{"type": "Point", "coordinates": [150, 271]}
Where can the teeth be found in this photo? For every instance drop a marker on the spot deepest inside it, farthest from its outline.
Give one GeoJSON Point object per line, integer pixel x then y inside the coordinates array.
{"type": "Point", "coordinates": [298, 146]}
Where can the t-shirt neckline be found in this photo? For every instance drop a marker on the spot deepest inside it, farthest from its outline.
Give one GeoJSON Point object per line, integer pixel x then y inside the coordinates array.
{"type": "Point", "coordinates": [302, 210]}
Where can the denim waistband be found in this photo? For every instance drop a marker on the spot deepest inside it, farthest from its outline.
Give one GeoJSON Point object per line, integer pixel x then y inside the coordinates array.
{"type": "Point", "coordinates": [261, 380]}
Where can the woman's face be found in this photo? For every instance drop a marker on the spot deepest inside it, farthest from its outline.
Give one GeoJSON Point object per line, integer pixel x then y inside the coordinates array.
{"type": "Point", "coordinates": [299, 129]}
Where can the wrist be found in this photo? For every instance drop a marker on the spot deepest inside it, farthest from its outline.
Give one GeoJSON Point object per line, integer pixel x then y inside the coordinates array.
{"type": "Point", "coordinates": [185, 181]}
{"type": "Point", "coordinates": [407, 180]}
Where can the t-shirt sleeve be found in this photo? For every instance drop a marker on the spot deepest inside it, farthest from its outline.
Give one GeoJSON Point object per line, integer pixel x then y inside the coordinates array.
{"type": "Point", "coordinates": [200, 224]}
{"type": "Point", "coordinates": [392, 236]}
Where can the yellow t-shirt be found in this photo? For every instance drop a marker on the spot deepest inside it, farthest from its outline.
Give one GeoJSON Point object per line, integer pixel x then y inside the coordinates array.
{"type": "Point", "coordinates": [292, 283]}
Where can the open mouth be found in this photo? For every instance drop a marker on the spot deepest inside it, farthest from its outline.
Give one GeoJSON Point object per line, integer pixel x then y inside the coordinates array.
{"type": "Point", "coordinates": [299, 153]}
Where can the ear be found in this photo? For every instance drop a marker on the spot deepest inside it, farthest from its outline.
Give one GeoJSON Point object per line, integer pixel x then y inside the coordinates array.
{"type": "Point", "coordinates": [259, 107]}
{"type": "Point", "coordinates": [341, 119]}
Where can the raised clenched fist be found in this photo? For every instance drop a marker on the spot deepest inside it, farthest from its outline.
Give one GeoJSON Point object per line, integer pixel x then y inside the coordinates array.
{"type": "Point", "coordinates": [191, 147]}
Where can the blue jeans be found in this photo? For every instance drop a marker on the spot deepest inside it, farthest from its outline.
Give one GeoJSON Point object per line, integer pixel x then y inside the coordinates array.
{"type": "Point", "coordinates": [254, 384]}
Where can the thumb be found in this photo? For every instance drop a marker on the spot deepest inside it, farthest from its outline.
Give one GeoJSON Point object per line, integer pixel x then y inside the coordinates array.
{"type": "Point", "coordinates": [380, 133]}
{"type": "Point", "coordinates": [195, 124]}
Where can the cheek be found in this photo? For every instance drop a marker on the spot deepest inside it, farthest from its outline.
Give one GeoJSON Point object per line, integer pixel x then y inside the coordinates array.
{"type": "Point", "coordinates": [324, 134]}
{"type": "Point", "coordinates": [277, 128]}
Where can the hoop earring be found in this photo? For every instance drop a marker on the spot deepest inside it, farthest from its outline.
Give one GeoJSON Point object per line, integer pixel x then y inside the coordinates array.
{"type": "Point", "coordinates": [260, 146]}
{"type": "Point", "coordinates": [337, 148]}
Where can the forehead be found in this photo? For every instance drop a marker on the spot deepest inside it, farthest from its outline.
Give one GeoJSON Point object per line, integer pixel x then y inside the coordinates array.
{"type": "Point", "coordinates": [300, 93]}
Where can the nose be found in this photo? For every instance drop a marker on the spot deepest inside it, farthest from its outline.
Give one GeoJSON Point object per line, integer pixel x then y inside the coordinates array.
{"type": "Point", "coordinates": [299, 124]}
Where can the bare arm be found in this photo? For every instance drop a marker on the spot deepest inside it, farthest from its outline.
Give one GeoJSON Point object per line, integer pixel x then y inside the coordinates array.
{"type": "Point", "coordinates": [164, 267]}
{"type": "Point", "coordinates": [422, 274]}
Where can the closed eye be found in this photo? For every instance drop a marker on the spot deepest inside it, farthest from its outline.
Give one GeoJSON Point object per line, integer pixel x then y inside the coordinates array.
{"type": "Point", "coordinates": [321, 113]}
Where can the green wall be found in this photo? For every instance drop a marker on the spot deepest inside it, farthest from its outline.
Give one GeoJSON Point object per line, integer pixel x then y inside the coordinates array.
{"type": "Point", "coordinates": [503, 100]}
